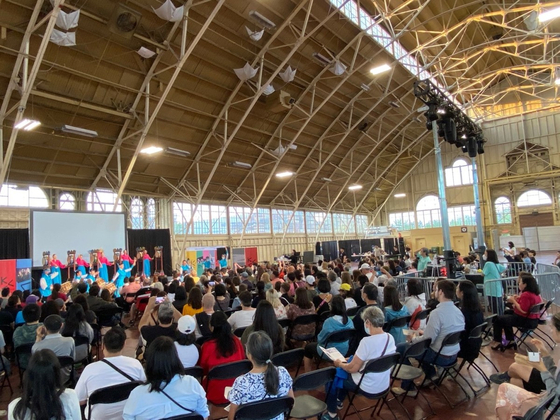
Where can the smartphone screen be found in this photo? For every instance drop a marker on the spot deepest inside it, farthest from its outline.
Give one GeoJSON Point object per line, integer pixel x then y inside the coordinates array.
{"type": "Point", "coordinates": [160, 299]}
{"type": "Point", "coordinates": [212, 283]}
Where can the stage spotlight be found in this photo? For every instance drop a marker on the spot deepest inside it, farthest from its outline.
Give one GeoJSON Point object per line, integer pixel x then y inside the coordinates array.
{"type": "Point", "coordinates": [471, 146]}
{"type": "Point", "coordinates": [464, 148]}
{"type": "Point", "coordinates": [480, 144]}
{"type": "Point", "coordinates": [450, 130]}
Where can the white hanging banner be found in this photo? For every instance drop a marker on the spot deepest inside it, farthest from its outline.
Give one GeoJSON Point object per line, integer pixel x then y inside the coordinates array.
{"type": "Point", "coordinates": [168, 11]}
{"type": "Point", "coordinates": [68, 21]}
{"type": "Point", "coordinates": [64, 39]}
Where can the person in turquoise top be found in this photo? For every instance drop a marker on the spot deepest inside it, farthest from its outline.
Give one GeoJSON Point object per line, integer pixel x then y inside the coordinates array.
{"type": "Point", "coordinates": [186, 266]}
{"type": "Point", "coordinates": [223, 261]}
{"type": "Point", "coordinates": [46, 282]}
{"type": "Point", "coordinates": [493, 290]}
{"type": "Point", "coordinates": [394, 309]}
{"type": "Point", "coordinates": [119, 277]}
{"type": "Point", "coordinates": [337, 322]}
{"type": "Point", "coordinates": [423, 259]}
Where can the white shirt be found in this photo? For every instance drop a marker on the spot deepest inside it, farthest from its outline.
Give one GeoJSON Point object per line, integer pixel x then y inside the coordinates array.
{"type": "Point", "coordinates": [412, 303]}
{"type": "Point", "coordinates": [145, 405]}
{"type": "Point", "coordinates": [70, 406]}
{"type": "Point", "coordinates": [100, 375]}
{"type": "Point", "coordinates": [350, 303]}
{"type": "Point", "coordinates": [241, 319]}
{"type": "Point", "coordinates": [187, 354]}
{"type": "Point", "coordinates": [371, 347]}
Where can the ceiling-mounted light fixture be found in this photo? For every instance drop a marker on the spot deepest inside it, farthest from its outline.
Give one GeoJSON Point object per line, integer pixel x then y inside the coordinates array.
{"type": "Point", "coordinates": [285, 174]}
{"type": "Point", "coordinates": [151, 150]}
{"type": "Point", "coordinates": [326, 179]}
{"type": "Point", "coordinates": [400, 195]}
{"type": "Point", "coordinates": [394, 104]}
{"type": "Point", "coordinates": [177, 152]}
{"type": "Point", "coordinates": [355, 187]}
{"type": "Point", "coordinates": [556, 76]}
{"type": "Point", "coordinates": [27, 125]}
{"type": "Point", "coordinates": [78, 131]}
{"type": "Point", "coordinates": [549, 14]}
{"type": "Point", "coordinates": [380, 69]}
{"type": "Point", "coordinates": [243, 165]}
{"type": "Point", "coordinates": [322, 59]}
{"type": "Point", "coordinates": [261, 20]}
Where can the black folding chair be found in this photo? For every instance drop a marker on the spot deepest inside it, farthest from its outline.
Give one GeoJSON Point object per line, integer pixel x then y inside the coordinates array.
{"type": "Point", "coordinates": [399, 322]}
{"type": "Point", "coordinates": [192, 416]}
{"type": "Point", "coordinates": [196, 372]}
{"type": "Point", "coordinates": [23, 349]}
{"type": "Point", "coordinates": [111, 394]}
{"type": "Point", "coordinates": [486, 341]}
{"type": "Point", "coordinates": [285, 323]}
{"type": "Point", "coordinates": [422, 315]}
{"type": "Point", "coordinates": [450, 339]}
{"type": "Point", "coordinates": [523, 333]}
{"type": "Point", "coordinates": [108, 317]}
{"type": "Point", "coordinates": [239, 331]}
{"type": "Point", "coordinates": [67, 370]}
{"type": "Point", "coordinates": [336, 337]}
{"type": "Point", "coordinates": [307, 406]}
{"type": "Point", "coordinates": [405, 372]}
{"type": "Point", "coordinates": [8, 332]}
{"type": "Point", "coordinates": [289, 359]}
{"type": "Point", "coordinates": [5, 376]}
{"type": "Point", "coordinates": [227, 371]}
{"type": "Point", "coordinates": [79, 341]}
{"type": "Point", "coordinates": [265, 409]}
{"type": "Point", "coordinates": [473, 342]}
{"type": "Point", "coordinates": [537, 412]}
{"type": "Point", "coordinates": [548, 340]}
{"type": "Point", "coordinates": [305, 320]}
{"type": "Point", "coordinates": [378, 365]}
{"type": "Point", "coordinates": [352, 311]}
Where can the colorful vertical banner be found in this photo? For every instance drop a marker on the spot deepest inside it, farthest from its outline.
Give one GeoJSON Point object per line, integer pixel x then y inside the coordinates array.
{"type": "Point", "coordinates": [251, 256]}
{"type": "Point", "coordinates": [238, 256]}
{"type": "Point", "coordinates": [8, 274]}
{"type": "Point", "coordinates": [23, 275]}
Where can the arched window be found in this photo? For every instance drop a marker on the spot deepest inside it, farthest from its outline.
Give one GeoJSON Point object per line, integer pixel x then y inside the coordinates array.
{"type": "Point", "coordinates": [533, 198]}
{"type": "Point", "coordinates": [428, 214]}
{"type": "Point", "coordinates": [502, 206]}
{"type": "Point", "coordinates": [102, 200]}
{"type": "Point", "coordinates": [66, 201]}
{"type": "Point", "coordinates": [14, 196]}
{"type": "Point", "coordinates": [137, 213]}
{"type": "Point", "coordinates": [151, 213]}
{"type": "Point", "coordinates": [459, 174]}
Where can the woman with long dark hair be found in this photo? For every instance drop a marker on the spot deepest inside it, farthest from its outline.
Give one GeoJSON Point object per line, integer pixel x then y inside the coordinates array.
{"type": "Point", "coordinates": [493, 290]}
{"type": "Point", "coordinates": [301, 306]}
{"type": "Point", "coordinates": [472, 311]}
{"type": "Point", "coordinates": [337, 322]}
{"type": "Point", "coordinates": [394, 309]}
{"type": "Point", "coordinates": [264, 381]}
{"type": "Point", "coordinates": [76, 324]}
{"type": "Point", "coordinates": [222, 347]}
{"type": "Point", "coordinates": [180, 298]}
{"type": "Point", "coordinates": [44, 396]}
{"type": "Point", "coordinates": [261, 295]}
{"type": "Point", "coordinates": [520, 317]}
{"type": "Point", "coordinates": [168, 392]}
{"type": "Point", "coordinates": [194, 302]}
{"type": "Point", "coordinates": [265, 320]}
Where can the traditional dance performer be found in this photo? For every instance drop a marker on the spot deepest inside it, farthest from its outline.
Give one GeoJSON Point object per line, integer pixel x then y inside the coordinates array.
{"type": "Point", "coordinates": [146, 264]}
{"type": "Point", "coordinates": [186, 266]}
{"type": "Point", "coordinates": [46, 282]}
{"type": "Point", "coordinates": [56, 265]}
{"type": "Point", "coordinates": [125, 258]}
{"type": "Point", "coordinates": [223, 261]}
{"type": "Point", "coordinates": [81, 264]}
{"type": "Point", "coordinates": [119, 277]}
{"type": "Point", "coordinates": [103, 264]}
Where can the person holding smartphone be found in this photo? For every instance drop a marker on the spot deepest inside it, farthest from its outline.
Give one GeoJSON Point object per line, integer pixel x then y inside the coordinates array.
{"type": "Point", "coordinates": [159, 319]}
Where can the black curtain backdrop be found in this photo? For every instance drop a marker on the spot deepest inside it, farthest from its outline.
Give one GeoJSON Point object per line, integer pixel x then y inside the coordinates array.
{"type": "Point", "coordinates": [150, 238]}
{"type": "Point", "coordinates": [14, 244]}
{"type": "Point", "coordinates": [351, 246]}
{"type": "Point", "coordinates": [368, 244]}
{"type": "Point", "coordinates": [330, 250]}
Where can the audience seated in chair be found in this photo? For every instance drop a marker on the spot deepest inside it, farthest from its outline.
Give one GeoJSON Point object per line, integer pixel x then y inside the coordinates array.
{"type": "Point", "coordinates": [43, 395]}
{"type": "Point", "coordinates": [265, 320]}
{"type": "Point", "coordinates": [185, 340]}
{"type": "Point", "coordinates": [244, 317]}
{"type": "Point", "coordinates": [472, 311]}
{"type": "Point", "coordinates": [264, 381]}
{"type": "Point", "coordinates": [158, 320]}
{"type": "Point", "coordinates": [27, 333]}
{"type": "Point", "coordinates": [112, 370]}
{"type": "Point", "coordinates": [394, 309]}
{"type": "Point", "coordinates": [167, 392]}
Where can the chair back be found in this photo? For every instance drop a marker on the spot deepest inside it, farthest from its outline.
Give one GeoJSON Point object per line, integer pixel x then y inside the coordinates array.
{"type": "Point", "coordinates": [196, 372]}
{"type": "Point", "coordinates": [422, 315]}
{"type": "Point", "coordinates": [353, 311]}
{"type": "Point", "coordinates": [265, 409]}
{"type": "Point", "coordinates": [536, 309]}
{"type": "Point", "coordinates": [229, 370]}
{"type": "Point", "coordinates": [417, 349]}
{"type": "Point", "coordinates": [325, 315]}
{"type": "Point", "coordinates": [381, 364]}
{"type": "Point", "coordinates": [239, 331]}
{"type": "Point", "coordinates": [400, 322]}
{"type": "Point", "coordinates": [450, 339]}
{"type": "Point", "coordinates": [537, 412]}
{"type": "Point", "coordinates": [23, 349]}
{"type": "Point", "coordinates": [477, 331]}
{"type": "Point", "coordinates": [341, 336]}
{"type": "Point", "coordinates": [191, 416]}
{"type": "Point", "coordinates": [112, 394]}
{"type": "Point", "coordinates": [306, 320]}
{"type": "Point", "coordinates": [8, 332]}
{"type": "Point", "coordinates": [288, 358]}
{"type": "Point", "coordinates": [105, 317]}
{"type": "Point", "coordinates": [315, 379]}
{"type": "Point", "coordinates": [285, 322]}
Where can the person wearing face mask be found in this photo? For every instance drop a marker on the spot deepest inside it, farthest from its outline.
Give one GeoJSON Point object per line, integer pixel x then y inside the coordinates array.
{"type": "Point", "coordinates": [375, 344]}
{"type": "Point", "coordinates": [493, 290]}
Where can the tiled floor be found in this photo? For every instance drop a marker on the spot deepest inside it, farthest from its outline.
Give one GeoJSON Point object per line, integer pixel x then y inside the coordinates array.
{"type": "Point", "coordinates": [481, 407]}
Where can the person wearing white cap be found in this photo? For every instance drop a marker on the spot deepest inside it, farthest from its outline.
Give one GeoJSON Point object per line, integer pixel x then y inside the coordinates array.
{"type": "Point", "coordinates": [310, 287]}
{"type": "Point", "coordinates": [366, 270]}
{"type": "Point", "coordinates": [185, 341]}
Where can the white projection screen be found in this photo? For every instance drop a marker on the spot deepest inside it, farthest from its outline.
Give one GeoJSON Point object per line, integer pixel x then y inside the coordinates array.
{"type": "Point", "coordinates": [60, 232]}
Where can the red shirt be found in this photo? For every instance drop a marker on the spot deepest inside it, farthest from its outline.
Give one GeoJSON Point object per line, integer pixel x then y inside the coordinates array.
{"type": "Point", "coordinates": [526, 300]}
{"type": "Point", "coordinates": [210, 358]}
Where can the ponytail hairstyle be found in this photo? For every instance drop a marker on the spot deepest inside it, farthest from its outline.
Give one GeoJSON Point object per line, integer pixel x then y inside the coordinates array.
{"type": "Point", "coordinates": [259, 346]}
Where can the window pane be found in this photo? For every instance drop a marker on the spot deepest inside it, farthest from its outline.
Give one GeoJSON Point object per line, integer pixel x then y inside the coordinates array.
{"type": "Point", "coordinates": [14, 196]}
{"type": "Point", "coordinates": [201, 222]}
{"type": "Point", "coordinates": [181, 217]}
{"type": "Point", "coordinates": [137, 214]}
{"type": "Point", "coordinates": [102, 200]}
{"type": "Point", "coordinates": [151, 213]}
{"type": "Point", "coordinates": [533, 198]}
{"type": "Point", "coordinates": [311, 221]}
{"type": "Point", "coordinates": [264, 220]}
{"type": "Point", "coordinates": [219, 220]}
{"type": "Point", "coordinates": [67, 202]}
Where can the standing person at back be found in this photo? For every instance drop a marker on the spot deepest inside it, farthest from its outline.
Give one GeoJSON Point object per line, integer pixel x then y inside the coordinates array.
{"type": "Point", "coordinates": [114, 369]}
{"type": "Point", "coordinates": [493, 290]}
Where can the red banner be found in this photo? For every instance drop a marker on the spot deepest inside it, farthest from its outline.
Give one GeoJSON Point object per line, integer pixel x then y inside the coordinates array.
{"type": "Point", "coordinates": [251, 256]}
{"type": "Point", "coordinates": [8, 274]}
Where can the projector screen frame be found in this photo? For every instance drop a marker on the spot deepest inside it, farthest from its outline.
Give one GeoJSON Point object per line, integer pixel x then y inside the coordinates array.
{"type": "Point", "coordinates": [32, 211]}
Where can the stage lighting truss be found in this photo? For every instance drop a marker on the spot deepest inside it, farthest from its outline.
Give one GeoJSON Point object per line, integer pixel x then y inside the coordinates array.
{"type": "Point", "coordinates": [453, 124]}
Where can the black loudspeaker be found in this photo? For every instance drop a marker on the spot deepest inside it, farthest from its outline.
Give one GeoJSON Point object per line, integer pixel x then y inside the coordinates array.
{"type": "Point", "coordinates": [318, 248]}
{"type": "Point", "coordinates": [471, 147]}
{"type": "Point", "coordinates": [450, 131]}
{"type": "Point", "coordinates": [480, 148]}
